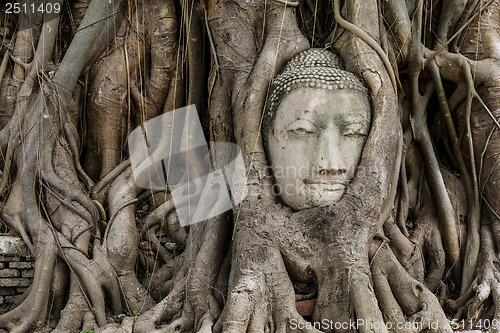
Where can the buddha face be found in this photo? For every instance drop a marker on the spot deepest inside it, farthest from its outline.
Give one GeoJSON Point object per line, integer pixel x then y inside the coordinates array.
{"type": "Point", "coordinates": [315, 144]}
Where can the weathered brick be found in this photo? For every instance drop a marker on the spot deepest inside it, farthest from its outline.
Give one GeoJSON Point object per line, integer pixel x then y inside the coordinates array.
{"type": "Point", "coordinates": [29, 273]}
{"type": "Point", "coordinates": [11, 299]}
{"type": "Point", "coordinates": [22, 265]}
{"type": "Point", "coordinates": [19, 282]}
{"type": "Point", "coordinates": [9, 273]}
{"type": "Point", "coordinates": [7, 291]}
{"type": "Point", "coordinates": [21, 290]}
{"type": "Point", "coordinates": [9, 258]}
{"type": "Point", "coordinates": [2, 265]}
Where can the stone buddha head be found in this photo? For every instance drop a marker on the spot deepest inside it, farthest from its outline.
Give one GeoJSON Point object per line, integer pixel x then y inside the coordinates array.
{"type": "Point", "coordinates": [315, 124]}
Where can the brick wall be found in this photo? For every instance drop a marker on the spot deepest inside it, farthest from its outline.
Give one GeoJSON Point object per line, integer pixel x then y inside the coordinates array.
{"type": "Point", "coordinates": [16, 268]}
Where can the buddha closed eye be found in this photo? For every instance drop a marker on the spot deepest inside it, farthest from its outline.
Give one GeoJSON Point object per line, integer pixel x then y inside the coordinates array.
{"type": "Point", "coordinates": [314, 135]}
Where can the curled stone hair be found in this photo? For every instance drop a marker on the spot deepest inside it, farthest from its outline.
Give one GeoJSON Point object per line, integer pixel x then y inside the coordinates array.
{"type": "Point", "coordinates": [315, 68]}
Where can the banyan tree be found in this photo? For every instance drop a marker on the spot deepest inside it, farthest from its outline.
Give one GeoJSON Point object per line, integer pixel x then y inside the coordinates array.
{"type": "Point", "coordinates": [386, 111]}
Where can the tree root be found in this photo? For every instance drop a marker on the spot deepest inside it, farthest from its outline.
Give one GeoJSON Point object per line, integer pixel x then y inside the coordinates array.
{"type": "Point", "coordinates": [75, 311]}
{"type": "Point", "coordinates": [166, 309]}
{"type": "Point", "coordinates": [122, 240]}
{"type": "Point", "coordinates": [99, 191]}
{"type": "Point", "coordinates": [107, 109]}
{"type": "Point", "coordinates": [205, 248]}
{"type": "Point", "coordinates": [398, 302]}
{"type": "Point", "coordinates": [28, 312]}
{"type": "Point", "coordinates": [261, 302]}
{"type": "Point", "coordinates": [486, 283]}
{"type": "Point", "coordinates": [74, 227]}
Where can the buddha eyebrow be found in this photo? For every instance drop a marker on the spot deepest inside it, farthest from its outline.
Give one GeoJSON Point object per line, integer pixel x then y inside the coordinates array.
{"type": "Point", "coordinates": [354, 118]}
{"type": "Point", "coordinates": [303, 114]}
{"type": "Point", "coordinates": [299, 118]}
{"type": "Point", "coordinates": [304, 111]}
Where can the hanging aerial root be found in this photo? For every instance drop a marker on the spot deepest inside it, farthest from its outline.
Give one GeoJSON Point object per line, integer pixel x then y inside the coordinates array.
{"type": "Point", "coordinates": [71, 137]}
{"type": "Point", "coordinates": [447, 218]}
{"type": "Point", "coordinates": [368, 40]}
{"type": "Point", "coordinates": [450, 14]}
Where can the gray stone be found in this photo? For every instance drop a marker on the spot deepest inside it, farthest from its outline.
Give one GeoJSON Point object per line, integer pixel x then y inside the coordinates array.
{"type": "Point", "coordinates": [18, 282]}
{"type": "Point", "coordinates": [13, 246]}
{"type": "Point", "coordinates": [22, 264]}
{"type": "Point", "coordinates": [336, 123]}
{"type": "Point", "coordinates": [8, 258]}
{"type": "Point", "coordinates": [21, 290]}
{"type": "Point", "coordinates": [9, 273]}
{"type": "Point", "coordinates": [28, 273]}
{"type": "Point", "coordinates": [8, 291]}
{"type": "Point", "coordinates": [11, 299]}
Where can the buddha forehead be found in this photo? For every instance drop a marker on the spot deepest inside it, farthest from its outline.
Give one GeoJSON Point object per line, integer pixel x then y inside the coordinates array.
{"type": "Point", "coordinates": [324, 80]}
{"type": "Point", "coordinates": [323, 106]}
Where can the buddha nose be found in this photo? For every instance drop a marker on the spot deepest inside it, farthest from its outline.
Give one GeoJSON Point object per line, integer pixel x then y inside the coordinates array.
{"type": "Point", "coordinates": [328, 158]}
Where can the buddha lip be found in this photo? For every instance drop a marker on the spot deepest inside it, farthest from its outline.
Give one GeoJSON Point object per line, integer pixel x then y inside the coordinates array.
{"type": "Point", "coordinates": [325, 182]}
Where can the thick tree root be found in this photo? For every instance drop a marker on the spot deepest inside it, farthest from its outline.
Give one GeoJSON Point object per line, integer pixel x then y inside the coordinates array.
{"type": "Point", "coordinates": [164, 310]}
{"type": "Point", "coordinates": [264, 301]}
{"type": "Point", "coordinates": [401, 297]}
{"type": "Point", "coordinates": [471, 305]}
{"type": "Point", "coordinates": [29, 311]}
{"type": "Point", "coordinates": [72, 219]}
{"type": "Point", "coordinates": [121, 242]}
{"type": "Point", "coordinates": [108, 108]}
